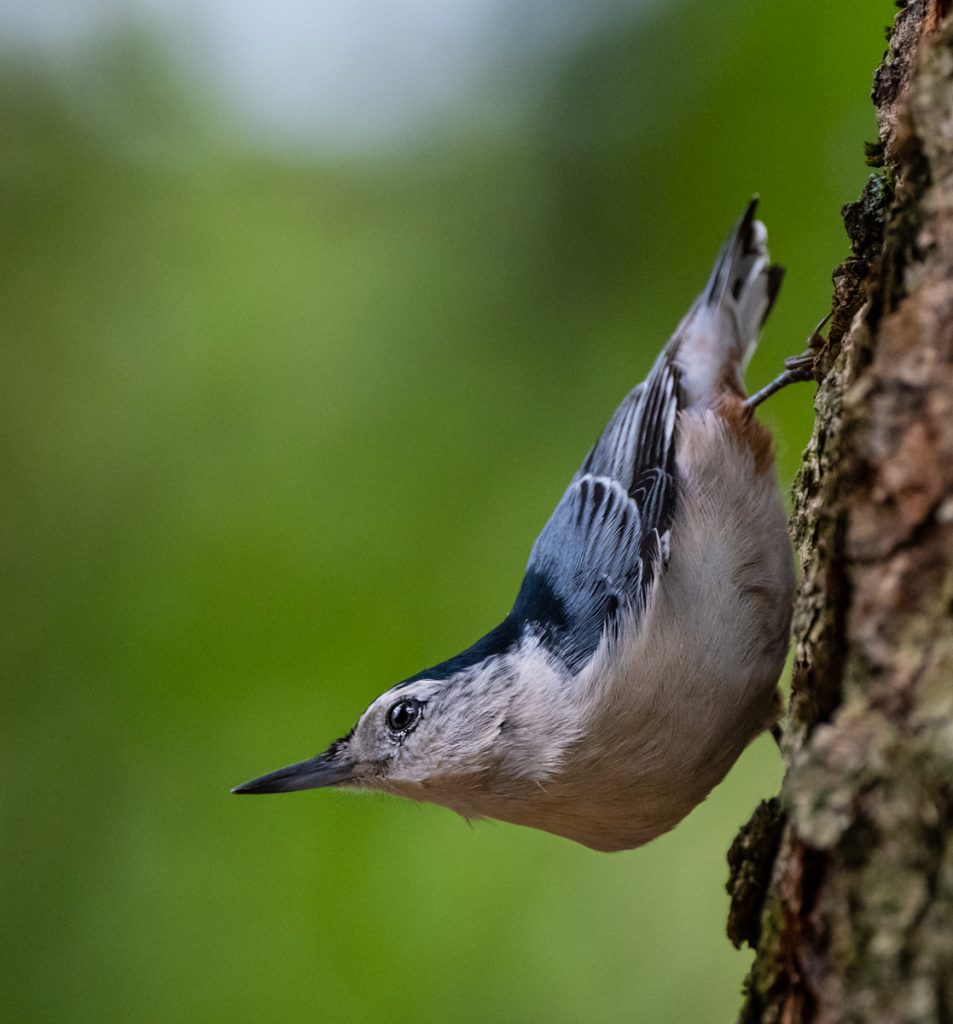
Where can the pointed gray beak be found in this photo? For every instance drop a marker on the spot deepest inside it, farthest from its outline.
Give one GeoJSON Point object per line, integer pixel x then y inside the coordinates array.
{"type": "Point", "coordinates": [327, 769]}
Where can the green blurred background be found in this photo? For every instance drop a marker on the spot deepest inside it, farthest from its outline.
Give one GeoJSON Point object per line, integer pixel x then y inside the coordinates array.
{"type": "Point", "coordinates": [284, 405]}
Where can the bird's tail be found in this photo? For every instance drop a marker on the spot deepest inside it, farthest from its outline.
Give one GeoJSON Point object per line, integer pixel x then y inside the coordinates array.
{"type": "Point", "coordinates": [714, 342]}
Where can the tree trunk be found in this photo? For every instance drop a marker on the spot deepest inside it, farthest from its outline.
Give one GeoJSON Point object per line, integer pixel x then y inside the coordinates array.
{"type": "Point", "coordinates": [844, 883]}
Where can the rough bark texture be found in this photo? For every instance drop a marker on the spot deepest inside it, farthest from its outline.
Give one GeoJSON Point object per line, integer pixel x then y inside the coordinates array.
{"type": "Point", "coordinates": [844, 885]}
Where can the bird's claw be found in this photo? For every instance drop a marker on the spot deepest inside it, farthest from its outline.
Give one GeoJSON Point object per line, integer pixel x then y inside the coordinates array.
{"type": "Point", "coordinates": [796, 368]}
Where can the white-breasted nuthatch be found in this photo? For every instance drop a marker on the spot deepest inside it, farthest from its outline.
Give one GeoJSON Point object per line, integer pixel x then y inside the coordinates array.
{"type": "Point", "coordinates": [644, 648]}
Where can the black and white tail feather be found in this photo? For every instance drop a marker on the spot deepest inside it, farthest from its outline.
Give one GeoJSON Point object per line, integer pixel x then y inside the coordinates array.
{"type": "Point", "coordinates": [607, 542]}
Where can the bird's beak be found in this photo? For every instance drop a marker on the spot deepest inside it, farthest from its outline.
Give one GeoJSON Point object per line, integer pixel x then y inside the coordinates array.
{"type": "Point", "coordinates": [327, 769]}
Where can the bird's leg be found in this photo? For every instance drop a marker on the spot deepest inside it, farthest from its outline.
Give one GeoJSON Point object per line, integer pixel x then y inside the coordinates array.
{"type": "Point", "coordinates": [796, 368]}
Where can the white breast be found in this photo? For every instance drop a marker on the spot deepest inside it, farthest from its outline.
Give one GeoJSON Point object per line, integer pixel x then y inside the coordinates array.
{"type": "Point", "coordinates": [667, 709]}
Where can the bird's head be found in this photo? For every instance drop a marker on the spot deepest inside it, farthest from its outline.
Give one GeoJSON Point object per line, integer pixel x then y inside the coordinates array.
{"type": "Point", "coordinates": [458, 738]}
{"type": "Point", "coordinates": [417, 739]}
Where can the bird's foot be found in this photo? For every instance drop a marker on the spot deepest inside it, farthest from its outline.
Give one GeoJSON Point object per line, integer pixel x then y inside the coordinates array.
{"type": "Point", "coordinates": [796, 368]}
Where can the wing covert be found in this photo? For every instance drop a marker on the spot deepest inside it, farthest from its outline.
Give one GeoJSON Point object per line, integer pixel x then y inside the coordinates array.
{"type": "Point", "coordinates": [607, 540]}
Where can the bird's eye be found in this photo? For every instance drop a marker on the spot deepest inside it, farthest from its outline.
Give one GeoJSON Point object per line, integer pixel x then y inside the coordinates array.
{"type": "Point", "coordinates": [404, 715]}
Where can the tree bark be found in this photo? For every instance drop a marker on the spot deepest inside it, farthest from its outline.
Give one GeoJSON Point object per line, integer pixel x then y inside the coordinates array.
{"type": "Point", "coordinates": [844, 883]}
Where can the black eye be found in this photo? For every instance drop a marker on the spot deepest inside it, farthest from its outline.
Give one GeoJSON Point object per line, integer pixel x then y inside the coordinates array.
{"type": "Point", "coordinates": [403, 716]}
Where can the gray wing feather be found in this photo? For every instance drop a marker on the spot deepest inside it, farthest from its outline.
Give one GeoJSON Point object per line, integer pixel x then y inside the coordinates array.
{"type": "Point", "coordinates": [607, 540]}
{"type": "Point", "coordinates": [606, 544]}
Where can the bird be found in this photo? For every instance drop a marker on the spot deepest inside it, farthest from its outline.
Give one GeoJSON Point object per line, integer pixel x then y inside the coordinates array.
{"type": "Point", "coordinates": [644, 648]}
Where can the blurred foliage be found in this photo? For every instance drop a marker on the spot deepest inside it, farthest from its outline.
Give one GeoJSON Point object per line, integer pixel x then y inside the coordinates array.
{"type": "Point", "coordinates": [279, 431]}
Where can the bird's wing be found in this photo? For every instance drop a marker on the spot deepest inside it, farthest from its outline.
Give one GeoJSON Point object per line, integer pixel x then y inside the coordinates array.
{"type": "Point", "coordinates": [607, 540]}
